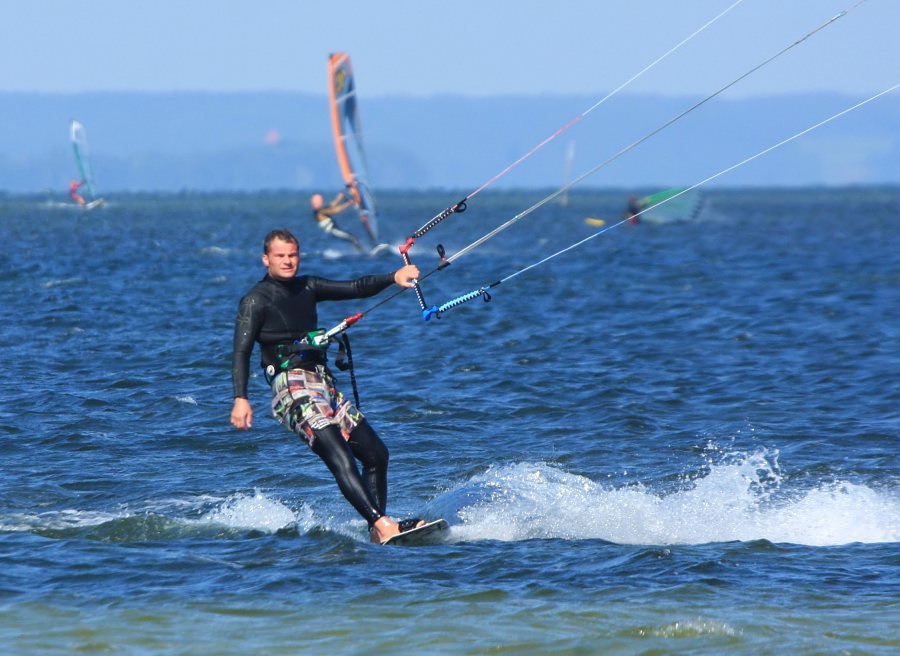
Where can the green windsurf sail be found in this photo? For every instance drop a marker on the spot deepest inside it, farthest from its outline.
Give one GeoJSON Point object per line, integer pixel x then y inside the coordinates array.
{"type": "Point", "coordinates": [676, 204]}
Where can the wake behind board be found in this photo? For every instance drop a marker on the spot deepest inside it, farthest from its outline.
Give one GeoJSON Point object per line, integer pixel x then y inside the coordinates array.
{"type": "Point", "coordinates": [430, 533]}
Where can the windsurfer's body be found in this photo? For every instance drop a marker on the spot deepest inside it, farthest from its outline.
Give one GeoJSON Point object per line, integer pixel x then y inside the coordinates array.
{"type": "Point", "coordinates": [324, 215]}
{"type": "Point", "coordinates": [74, 186]}
{"type": "Point", "coordinates": [635, 207]}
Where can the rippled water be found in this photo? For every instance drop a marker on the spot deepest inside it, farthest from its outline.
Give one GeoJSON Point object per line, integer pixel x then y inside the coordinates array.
{"type": "Point", "coordinates": [679, 437]}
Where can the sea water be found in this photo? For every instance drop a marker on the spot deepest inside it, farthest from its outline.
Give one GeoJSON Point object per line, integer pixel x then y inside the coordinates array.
{"type": "Point", "coordinates": [679, 437]}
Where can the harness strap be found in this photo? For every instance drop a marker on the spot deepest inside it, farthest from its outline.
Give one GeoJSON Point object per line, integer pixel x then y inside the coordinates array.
{"type": "Point", "coordinates": [344, 362]}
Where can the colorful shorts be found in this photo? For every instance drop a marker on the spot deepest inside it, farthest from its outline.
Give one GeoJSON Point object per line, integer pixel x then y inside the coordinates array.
{"type": "Point", "coordinates": [304, 401]}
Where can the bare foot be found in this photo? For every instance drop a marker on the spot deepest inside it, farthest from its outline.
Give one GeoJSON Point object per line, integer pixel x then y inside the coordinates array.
{"type": "Point", "coordinates": [383, 530]}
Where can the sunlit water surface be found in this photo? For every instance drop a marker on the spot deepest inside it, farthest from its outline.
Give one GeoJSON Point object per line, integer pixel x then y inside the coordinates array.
{"type": "Point", "coordinates": [679, 437]}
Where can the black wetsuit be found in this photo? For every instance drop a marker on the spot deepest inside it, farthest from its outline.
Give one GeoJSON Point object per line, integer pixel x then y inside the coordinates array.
{"type": "Point", "coordinates": [277, 313]}
{"type": "Point", "coordinates": [635, 207]}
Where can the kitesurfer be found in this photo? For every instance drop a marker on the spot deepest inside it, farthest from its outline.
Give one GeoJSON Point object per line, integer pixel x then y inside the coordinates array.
{"type": "Point", "coordinates": [324, 215]}
{"type": "Point", "coordinates": [279, 313]}
{"type": "Point", "coordinates": [73, 192]}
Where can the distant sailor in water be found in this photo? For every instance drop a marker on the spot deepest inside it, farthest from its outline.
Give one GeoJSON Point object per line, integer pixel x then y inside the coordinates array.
{"type": "Point", "coordinates": [635, 207]}
{"type": "Point", "coordinates": [280, 314]}
{"type": "Point", "coordinates": [324, 215]}
{"type": "Point", "coordinates": [73, 192]}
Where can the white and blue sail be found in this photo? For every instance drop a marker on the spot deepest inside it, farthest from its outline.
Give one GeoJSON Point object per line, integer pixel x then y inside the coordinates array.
{"type": "Point", "coordinates": [81, 151]}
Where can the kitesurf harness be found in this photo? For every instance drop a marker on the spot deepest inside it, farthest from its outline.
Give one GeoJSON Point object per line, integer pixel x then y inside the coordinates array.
{"type": "Point", "coordinates": [310, 352]}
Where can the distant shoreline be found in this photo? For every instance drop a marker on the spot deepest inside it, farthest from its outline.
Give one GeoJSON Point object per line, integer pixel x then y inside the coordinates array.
{"type": "Point", "coordinates": [224, 141]}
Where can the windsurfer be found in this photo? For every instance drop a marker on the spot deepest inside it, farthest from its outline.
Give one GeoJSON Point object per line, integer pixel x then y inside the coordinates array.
{"type": "Point", "coordinates": [635, 207]}
{"type": "Point", "coordinates": [73, 192]}
{"type": "Point", "coordinates": [279, 313]}
{"type": "Point", "coordinates": [324, 215]}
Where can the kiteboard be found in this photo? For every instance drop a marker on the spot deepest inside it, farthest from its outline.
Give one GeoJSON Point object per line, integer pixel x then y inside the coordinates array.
{"type": "Point", "coordinates": [430, 533]}
{"type": "Point", "coordinates": [591, 221]}
{"type": "Point", "coordinates": [94, 203]}
{"type": "Point", "coordinates": [378, 249]}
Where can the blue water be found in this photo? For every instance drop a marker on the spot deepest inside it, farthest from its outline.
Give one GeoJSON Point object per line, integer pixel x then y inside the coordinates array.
{"type": "Point", "coordinates": [681, 437]}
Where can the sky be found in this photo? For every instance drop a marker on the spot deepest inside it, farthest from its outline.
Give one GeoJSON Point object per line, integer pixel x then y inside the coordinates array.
{"type": "Point", "coordinates": [471, 47]}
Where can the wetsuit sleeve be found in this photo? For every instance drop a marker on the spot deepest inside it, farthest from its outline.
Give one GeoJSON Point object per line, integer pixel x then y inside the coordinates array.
{"type": "Point", "coordinates": [339, 290]}
{"type": "Point", "coordinates": [246, 330]}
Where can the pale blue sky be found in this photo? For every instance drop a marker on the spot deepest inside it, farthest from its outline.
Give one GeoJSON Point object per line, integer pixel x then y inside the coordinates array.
{"type": "Point", "coordinates": [421, 47]}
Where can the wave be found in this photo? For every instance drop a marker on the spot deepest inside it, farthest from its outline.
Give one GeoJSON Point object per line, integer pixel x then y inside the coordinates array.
{"type": "Point", "coordinates": [744, 499]}
{"type": "Point", "coordinates": [49, 284]}
{"type": "Point", "coordinates": [206, 516]}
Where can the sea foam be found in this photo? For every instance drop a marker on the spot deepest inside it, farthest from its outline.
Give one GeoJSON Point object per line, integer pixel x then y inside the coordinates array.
{"type": "Point", "coordinates": [743, 500]}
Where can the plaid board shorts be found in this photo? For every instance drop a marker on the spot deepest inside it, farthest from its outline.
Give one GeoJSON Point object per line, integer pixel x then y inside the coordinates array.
{"type": "Point", "coordinates": [304, 401]}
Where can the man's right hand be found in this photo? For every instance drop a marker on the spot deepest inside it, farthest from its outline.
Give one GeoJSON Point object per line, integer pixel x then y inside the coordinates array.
{"type": "Point", "coordinates": [241, 414]}
{"type": "Point", "coordinates": [407, 276]}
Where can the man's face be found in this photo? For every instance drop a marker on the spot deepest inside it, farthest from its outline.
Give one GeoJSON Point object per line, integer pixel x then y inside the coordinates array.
{"type": "Point", "coordinates": [282, 260]}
